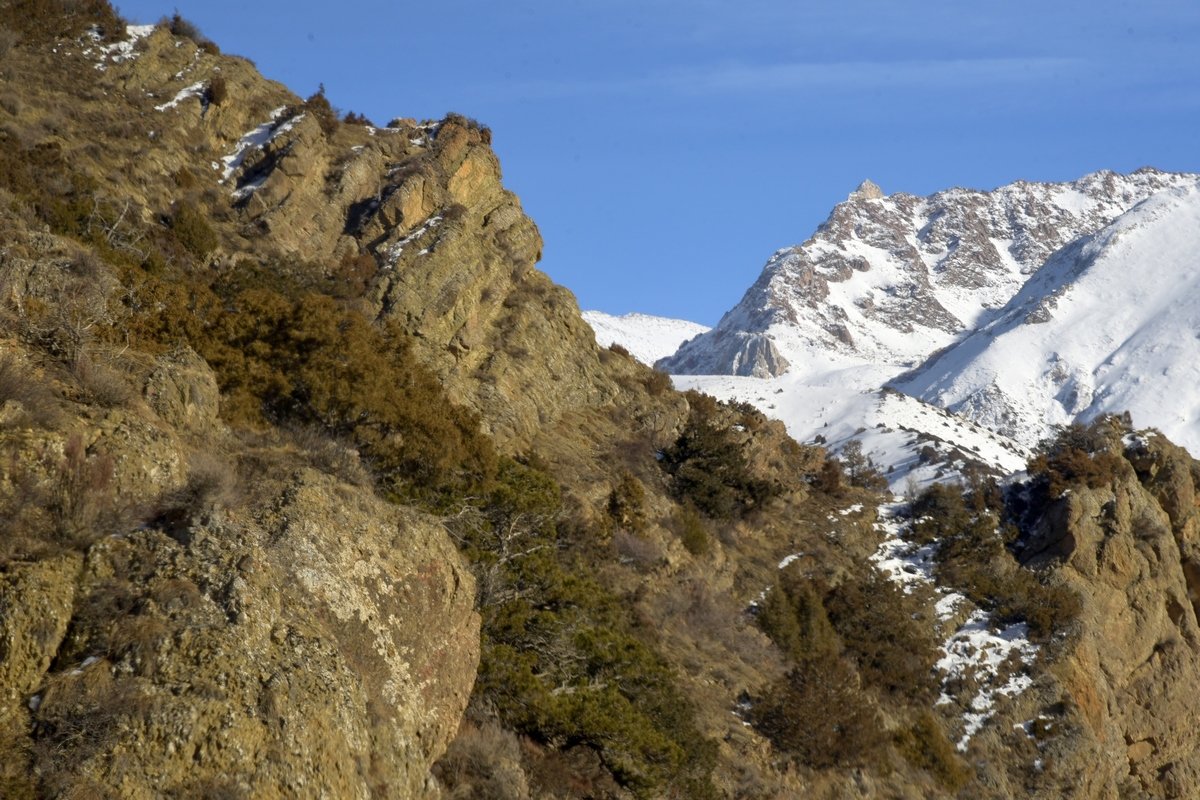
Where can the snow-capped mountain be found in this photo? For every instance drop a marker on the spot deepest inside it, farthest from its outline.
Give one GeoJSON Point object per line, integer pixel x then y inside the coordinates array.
{"type": "Point", "coordinates": [647, 338]}
{"type": "Point", "coordinates": [1015, 309]}
{"type": "Point", "coordinates": [1110, 324]}
{"type": "Point", "coordinates": [890, 279]}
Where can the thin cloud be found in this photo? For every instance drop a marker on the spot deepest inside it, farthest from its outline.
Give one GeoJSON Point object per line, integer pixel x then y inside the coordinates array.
{"type": "Point", "coordinates": [739, 78]}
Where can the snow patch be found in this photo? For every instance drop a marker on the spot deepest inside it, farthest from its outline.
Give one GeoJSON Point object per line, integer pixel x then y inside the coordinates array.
{"type": "Point", "coordinates": [195, 90]}
{"type": "Point", "coordinates": [256, 139]}
{"type": "Point", "coordinates": [976, 652]}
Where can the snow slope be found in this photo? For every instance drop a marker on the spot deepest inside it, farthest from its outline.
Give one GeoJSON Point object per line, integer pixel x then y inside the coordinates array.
{"type": "Point", "coordinates": [913, 443]}
{"type": "Point", "coordinates": [647, 338]}
{"type": "Point", "coordinates": [981, 304]}
{"type": "Point", "coordinates": [1109, 324]}
{"type": "Point", "coordinates": [890, 279]}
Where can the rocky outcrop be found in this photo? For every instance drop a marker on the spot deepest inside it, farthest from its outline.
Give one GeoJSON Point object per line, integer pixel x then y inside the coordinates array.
{"type": "Point", "coordinates": [751, 355]}
{"type": "Point", "coordinates": [316, 641]}
{"type": "Point", "coordinates": [1119, 720]}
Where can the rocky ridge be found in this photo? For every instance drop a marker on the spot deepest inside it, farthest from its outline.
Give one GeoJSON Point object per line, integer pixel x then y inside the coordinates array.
{"type": "Point", "coordinates": [889, 279]}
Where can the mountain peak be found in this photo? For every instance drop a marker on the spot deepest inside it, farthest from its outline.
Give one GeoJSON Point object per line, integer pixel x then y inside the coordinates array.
{"type": "Point", "coordinates": [867, 190]}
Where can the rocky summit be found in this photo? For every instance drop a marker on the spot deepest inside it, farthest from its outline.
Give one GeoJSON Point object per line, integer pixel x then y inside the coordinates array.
{"type": "Point", "coordinates": [890, 279]}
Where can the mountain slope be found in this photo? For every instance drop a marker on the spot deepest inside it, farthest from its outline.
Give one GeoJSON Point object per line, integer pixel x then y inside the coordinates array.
{"type": "Point", "coordinates": [890, 279]}
{"type": "Point", "coordinates": [647, 338]}
{"type": "Point", "coordinates": [1108, 325]}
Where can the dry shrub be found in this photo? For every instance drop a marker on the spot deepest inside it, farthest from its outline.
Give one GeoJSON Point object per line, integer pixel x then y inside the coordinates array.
{"type": "Point", "coordinates": [19, 384]}
{"type": "Point", "coordinates": [10, 102]}
{"type": "Point", "coordinates": [637, 551]}
{"type": "Point", "coordinates": [330, 454]}
{"type": "Point", "coordinates": [175, 594]}
{"type": "Point", "coordinates": [102, 384]}
{"type": "Point", "coordinates": [81, 500]}
{"type": "Point", "coordinates": [627, 504]}
{"type": "Point", "coordinates": [80, 717]}
{"type": "Point", "coordinates": [657, 382]}
{"type": "Point", "coordinates": [8, 40]}
{"type": "Point", "coordinates": [136, 640]}
{"type": "Point", "coordinates": [210, 488]}
{"type": "Point", "coordinates": [483, 761]}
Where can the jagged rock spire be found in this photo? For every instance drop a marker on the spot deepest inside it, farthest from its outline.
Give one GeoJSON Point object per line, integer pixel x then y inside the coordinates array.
{"type": "Point", "coordinates": [867, 190]}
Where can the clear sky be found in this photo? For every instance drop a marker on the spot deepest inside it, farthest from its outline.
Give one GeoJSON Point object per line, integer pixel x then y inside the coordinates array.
{"type": "Point", "coordinates": [667, 147]}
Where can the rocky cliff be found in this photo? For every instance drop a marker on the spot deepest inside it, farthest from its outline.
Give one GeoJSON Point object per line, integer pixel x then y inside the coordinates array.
{"type": "Point", "coordinates": [1120, 698]}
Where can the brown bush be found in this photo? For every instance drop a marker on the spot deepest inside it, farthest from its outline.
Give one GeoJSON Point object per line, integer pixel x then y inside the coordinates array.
{"type": "Point", "coordinates": [326, 115]}
{"type": "Point", "coordinates": [8, 40]}
{"type": "Point", "coordinates": [81, 502]}
{"type": "Point", "coordinates": [619, 350]}
{"type": "Point", "coordinates": [101, 384]}
{"type": "Point", "coordinates": [80, 717]}
{"type": "Point", "coordinates": [627, 504]}
{"type": "Point", "coordinates": [483, 761]}
{"type": "Point", "coordinates": [8, 101]}
{"type": "Point", "coordinates": [657, 382]}
{"type": "Point", "coordinates": [217, 91]}
{"type": "Point", "coordinates": [636, 550]}
{"type": "Point", "coordinates": [18, 383]}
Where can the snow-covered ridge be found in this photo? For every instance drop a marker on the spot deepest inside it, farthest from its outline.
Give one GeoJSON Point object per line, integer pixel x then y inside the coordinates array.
{"type": "Point", "coordinates": [890, 279]}
{"type": "Point", "coordinates": [1005, 312]}
{"type": "Point", "coordinates": [1108, 325]}
{"type": "Point", "coordinates": [647, 338]}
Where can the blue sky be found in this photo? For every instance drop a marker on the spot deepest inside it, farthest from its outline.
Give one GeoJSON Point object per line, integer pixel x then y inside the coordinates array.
{"type": "Point", "coordinates": [667, 147]}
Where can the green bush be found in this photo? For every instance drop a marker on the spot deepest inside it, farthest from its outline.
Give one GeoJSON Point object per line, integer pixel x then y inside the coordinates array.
{"type": "Point", "coordinates": [708, 466]}
{"type": "Point", "coordinates": [692, 532]}
{"type": "Point", "coordinates": [793, 615]}
{"type": "Point", "coordinates": [820, 717]}
{"type": "Point", "coordinates": [925, 746]}
{"type": "Point", "coordinates": [561, 661]}
{"type": "Point", "coordinates": [883, 634]}
{"type": "Point", "coordinates": [192, 230]}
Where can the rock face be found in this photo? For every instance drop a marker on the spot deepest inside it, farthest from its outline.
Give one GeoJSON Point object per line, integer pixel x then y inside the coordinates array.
{"type": "Point", "coordinates": [304, 638]}
{"type": "Point", "coordinates": [1118, 718]}
{"type": "Point", "coordinates": [751, 355]}
{"type": "Point", "coordinates": [890, 279]}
